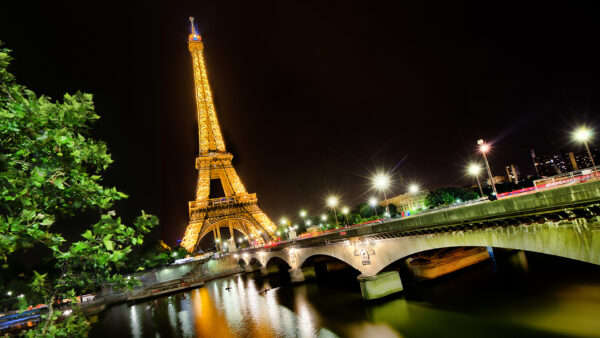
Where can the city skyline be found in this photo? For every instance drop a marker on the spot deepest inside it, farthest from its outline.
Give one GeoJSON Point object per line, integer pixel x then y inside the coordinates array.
{"type": "Point", "coordinates": [330, 106]}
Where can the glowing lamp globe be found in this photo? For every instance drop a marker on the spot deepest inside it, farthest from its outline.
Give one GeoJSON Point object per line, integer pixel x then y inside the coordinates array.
{"type": "Point", "coordinates": [381, 181]}
{"type": "Point", "coordinates": [474, 169]}
{"type": "Point", "coordinates": [582, 134]}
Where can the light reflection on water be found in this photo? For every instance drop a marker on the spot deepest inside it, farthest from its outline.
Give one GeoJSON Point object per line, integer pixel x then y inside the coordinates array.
{"type": "Point", "coordinates": [475, 303]}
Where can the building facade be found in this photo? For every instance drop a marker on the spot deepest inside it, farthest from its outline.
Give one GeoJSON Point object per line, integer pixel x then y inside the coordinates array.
{"type": "Point", "coordinates": [408, 201]}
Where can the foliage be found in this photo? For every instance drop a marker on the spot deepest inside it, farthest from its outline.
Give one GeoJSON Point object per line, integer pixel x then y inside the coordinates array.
{"type": "Point", "coordinates": [156, 255]}
{"type": "Point", "coordinates": [50, 167]}
{"type": "Point", "coordinates": [447, 196]}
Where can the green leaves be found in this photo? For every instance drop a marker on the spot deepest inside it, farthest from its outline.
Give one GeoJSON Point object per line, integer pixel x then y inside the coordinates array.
{"type": "Point", "coordinates": [50, 166]}
{"type": "Point", "coordinates": [108, 243]}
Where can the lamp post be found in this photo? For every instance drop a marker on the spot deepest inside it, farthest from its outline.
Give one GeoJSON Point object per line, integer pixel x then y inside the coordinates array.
{"type": "Point", "coordinates": [332, 202]}
{"type": "Point", "coordinates": [475, 169]}
{"type": "Point", "coordinates": [484, 148]}
{"type": "Point", "coordinates": [583, 135]}
{"type": "Point", "coordinates": [382, 182]}
{"type": "Point", "coordinates": [303, 214]}
{"type": "Point", "coordinates": [373, 204]}
{"type": "Point", "coordinates": [284, 222]}
{"type": "Point", "coordinates": [323, 219]}
{"type": "Point", "coordinates": [345, 211]}
{"type": "Point", "coordinates": [412, 190]}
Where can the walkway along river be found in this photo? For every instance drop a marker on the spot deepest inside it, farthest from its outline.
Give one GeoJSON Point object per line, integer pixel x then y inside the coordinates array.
{"type": "Point", "coordinates": [520, 295]}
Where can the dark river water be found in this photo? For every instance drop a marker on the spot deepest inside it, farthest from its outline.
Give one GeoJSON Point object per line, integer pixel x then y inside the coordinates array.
{"type": "Point", "coordinates": [520, 296]}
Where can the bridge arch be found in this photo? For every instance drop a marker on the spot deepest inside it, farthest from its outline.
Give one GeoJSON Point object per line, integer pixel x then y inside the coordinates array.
{"type": "Point", "coordinates": [255, 262]}
{"type": "Point", "coordinates": [545, 238]}
{"type": "Point", "coordinates": [277, 260]}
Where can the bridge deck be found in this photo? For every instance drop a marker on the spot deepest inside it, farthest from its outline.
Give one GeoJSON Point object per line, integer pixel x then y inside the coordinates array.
{"type": "Point", "coordinates": [581, 200]}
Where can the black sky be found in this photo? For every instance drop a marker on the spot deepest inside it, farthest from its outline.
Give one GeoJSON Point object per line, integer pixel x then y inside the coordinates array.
{"type": "Point", "coordinates": [314, 97]}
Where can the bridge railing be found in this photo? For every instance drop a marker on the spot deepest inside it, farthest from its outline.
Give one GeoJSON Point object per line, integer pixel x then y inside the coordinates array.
{"type": "Point", "coordinates": [561, 203]}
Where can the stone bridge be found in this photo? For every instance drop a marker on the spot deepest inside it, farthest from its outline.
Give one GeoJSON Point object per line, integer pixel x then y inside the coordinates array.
{"type": "Point", "coordinates": [562, 222]}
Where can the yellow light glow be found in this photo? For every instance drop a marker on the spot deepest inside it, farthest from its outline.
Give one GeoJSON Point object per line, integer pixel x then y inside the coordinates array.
{"type": "Point", "coordinates": [302, 213]}
{"type": "Point", "coordinates": [413, 188]}
{"type": "Point", "coordinates": [372, 201]}
{"type": "Point", "coordinates": [345, 210]}
{"type": "Point", "coordinates": [332, 201]}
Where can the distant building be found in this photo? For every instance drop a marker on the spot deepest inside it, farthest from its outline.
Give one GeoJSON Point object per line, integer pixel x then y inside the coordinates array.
{"type": "Point", "coordinates": [512, 173]}
{"type": "Point", "coordinates": [550, 165]}
{"type": "Point", "coordinates": [532, 153]}
{"type": "Point", "coordinates": [572, 161]}
{"type": "Point", "coordinates": [405, 202]}
{"type": "Point", "coordinates": [583, 158]}
{"type": "Point", "coordinates": [497, 179]}
{"type": "Point", "coordinates": [560, 163]}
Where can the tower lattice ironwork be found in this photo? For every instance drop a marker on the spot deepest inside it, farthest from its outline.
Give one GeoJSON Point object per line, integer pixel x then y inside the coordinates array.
{"type": "Point", "coordinates": [238, 209]}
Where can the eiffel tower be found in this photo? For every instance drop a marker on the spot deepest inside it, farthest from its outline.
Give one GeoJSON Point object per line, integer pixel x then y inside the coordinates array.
{"type": "Point", "coordinates": [238, 209]}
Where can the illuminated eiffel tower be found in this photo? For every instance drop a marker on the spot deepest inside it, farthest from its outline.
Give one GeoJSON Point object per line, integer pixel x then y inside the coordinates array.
{"type": "Point", "coordinates": [238, 209]}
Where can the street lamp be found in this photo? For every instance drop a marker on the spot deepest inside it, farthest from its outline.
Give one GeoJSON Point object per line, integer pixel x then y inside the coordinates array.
{"type": "Point", "coordinates": [413, 189]}
{"type": "Point", "coordinates": [475, 169]}
{"type": "Point", "coordinates": [382, 182]}
{"type": "Point", "coordinates": [484, 148]}
{"type": "Point", "coordinates": [345, 211]}
{"type": "Point", "coordinates": [373, 204]}
{"type": "Point", "coordinates": [302, 213]}
{"type": "Point", "coordinates": [332, 202]}
{"type": "Point", "coordinates": [583, 135]}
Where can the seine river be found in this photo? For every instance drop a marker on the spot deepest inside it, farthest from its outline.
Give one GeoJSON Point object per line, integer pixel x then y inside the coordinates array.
{"type": "Point", "coordinates": [520, 296]}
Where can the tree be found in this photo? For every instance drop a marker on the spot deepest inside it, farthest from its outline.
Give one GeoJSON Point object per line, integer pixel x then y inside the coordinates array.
{"type": "Point", "coordinates": [51, 167]}
{"type": "Point", "coordinates": [447, 196]}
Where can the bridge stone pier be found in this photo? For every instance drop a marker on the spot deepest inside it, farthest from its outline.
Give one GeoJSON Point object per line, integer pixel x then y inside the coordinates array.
{"type": "Point", "coordinates": [563, 222]}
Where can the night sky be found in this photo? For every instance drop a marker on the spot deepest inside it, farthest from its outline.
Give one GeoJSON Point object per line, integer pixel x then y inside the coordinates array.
{"type": "Point", "coordinates": [314, 97]}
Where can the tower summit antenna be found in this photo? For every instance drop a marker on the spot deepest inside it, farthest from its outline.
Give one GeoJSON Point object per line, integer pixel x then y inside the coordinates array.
{"type": "Point", "coordinates": [194, 35]}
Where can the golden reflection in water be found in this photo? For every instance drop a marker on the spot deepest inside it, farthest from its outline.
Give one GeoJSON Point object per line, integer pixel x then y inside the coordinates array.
{"type": "Point", "coordinates": [219, 312]}
{"type": "Point", "coordinates": [208, 318]}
